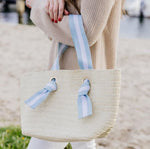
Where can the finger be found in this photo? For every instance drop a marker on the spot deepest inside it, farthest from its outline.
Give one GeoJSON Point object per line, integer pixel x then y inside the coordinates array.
{"type": "Point", "coordinates": [47, 6]}
{"type": "Point", "coordinates": [27, 4]}
{"type": "Point", "coordinates": [51, 7]}
{"type": "Point", "coordinates": [61, 9]}
{"type": "Point", "coordinates": [66, 12]}
{"type": "Point", "coordinates": [55, 10]}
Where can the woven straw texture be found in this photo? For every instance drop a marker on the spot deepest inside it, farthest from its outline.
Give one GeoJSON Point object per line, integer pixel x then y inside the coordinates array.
{"type": "Point", "coordinates": [56, 118]}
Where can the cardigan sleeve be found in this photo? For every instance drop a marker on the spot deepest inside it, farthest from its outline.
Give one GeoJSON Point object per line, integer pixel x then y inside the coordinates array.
{"type": "Point", "coordinates": [95, 14]}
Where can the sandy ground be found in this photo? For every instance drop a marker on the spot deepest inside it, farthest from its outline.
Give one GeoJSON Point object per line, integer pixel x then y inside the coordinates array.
{"type": "Point", "coordinates": [24, 48]}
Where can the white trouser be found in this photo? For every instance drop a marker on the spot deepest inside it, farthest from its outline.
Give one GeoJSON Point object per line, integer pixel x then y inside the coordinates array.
{"type": "Point", "coordinates": [36, 143]}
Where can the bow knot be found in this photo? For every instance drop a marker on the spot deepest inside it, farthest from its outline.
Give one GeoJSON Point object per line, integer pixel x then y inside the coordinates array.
{"type": "Point", "coordinates": [84, 103]}
{"type": "Point", "coordinates": [41, 95]}
{"type": "Point", "coordinates": [51, 86]}
{"type": "Point", "coordinates": [84, 89]}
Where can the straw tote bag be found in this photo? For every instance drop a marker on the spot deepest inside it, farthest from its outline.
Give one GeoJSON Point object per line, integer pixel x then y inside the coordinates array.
{"type": "Point", "coordinates": [70, 105]}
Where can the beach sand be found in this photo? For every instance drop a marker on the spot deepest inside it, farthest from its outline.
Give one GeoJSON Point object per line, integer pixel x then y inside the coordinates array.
{"type": "Point", "coordinates": [26, 48]}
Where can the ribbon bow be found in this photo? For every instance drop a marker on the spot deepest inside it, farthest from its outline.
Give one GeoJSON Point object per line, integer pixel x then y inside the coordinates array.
{"type": "Point", "coordinates": [84, 103]}
{"type": "Point", "coordinates": [41, 95]}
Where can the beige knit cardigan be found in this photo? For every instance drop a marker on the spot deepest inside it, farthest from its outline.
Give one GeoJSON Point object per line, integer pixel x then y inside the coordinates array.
{"type": "Point", "coordinates": [101, 20]}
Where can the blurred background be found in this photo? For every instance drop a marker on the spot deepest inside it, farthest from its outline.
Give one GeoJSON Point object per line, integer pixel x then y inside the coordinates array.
{"type": "Point", "coordinates": [135, 24]}
{"type": "Point", "coordinates": [21, 51]}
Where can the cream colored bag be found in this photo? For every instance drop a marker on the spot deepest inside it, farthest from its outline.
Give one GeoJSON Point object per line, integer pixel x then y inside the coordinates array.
{"type": "Point", "coordinates": [70, 105]}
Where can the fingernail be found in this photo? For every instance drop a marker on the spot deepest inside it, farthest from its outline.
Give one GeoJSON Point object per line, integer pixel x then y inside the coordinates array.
{"type": "Point", "coordinates": [59, 19]}
{"type": "Point", "coordinates": [55, 21]}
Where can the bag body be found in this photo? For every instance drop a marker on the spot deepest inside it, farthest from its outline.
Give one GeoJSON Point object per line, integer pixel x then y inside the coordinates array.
{"type": "Point", "coordinates": [63, 115]}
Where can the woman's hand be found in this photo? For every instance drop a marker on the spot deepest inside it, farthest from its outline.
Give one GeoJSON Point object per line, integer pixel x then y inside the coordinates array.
{"type": "Point", "coordinates": [55, 9]}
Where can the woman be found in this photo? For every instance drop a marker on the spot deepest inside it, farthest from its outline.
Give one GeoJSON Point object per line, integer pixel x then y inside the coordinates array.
{"type": "Point", "coordinates": [101, 19]}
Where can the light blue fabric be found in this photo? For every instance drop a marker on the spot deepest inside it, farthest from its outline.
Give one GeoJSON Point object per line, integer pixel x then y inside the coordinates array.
{"type": "Point", "coordinates": [85, 62]}
{"type": "Point", "coordinates": [80, 41]}
{"type": "Point", "coordinates": [41, 95]}
{"type": "Point", "coordinates": [83, 94]}
{"type": "Point", "coordinates": [61, 49]}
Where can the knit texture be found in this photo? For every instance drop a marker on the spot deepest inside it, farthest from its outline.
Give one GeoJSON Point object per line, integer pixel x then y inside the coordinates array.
{"type": "Point", "coordinates": [101, 19]}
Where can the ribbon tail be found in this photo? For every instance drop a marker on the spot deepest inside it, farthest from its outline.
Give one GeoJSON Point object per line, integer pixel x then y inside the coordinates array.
{"type": "Point", "coordinates": [37, 98]}
{"type": "Point", "coordinates": [84, 106]}
{"type": "Point", "coordinates": [89, 103]}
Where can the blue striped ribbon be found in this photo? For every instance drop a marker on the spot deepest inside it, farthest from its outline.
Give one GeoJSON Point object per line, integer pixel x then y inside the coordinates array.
{"type": "Point", "coordinates": [83, 101]}
{"type": "Point", "coordinates": [41, 95]}
{"type": "Point", "coordinates": [85, 62]}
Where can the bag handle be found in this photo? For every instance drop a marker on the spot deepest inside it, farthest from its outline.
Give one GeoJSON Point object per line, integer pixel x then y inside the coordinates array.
{"type": "Point", "coordinates": [80, 42]}
{"type": "Point", "coordinates": [85, 62]}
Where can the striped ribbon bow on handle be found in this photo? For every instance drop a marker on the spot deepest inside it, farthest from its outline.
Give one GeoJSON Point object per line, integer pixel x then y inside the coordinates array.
{"type": "Point", "coordinates": [85, 62]}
